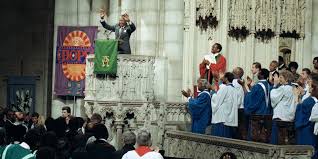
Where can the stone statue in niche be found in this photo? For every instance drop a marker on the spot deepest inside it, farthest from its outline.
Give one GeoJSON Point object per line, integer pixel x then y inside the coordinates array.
{"type": "Point", "coordinates": [285, 45]}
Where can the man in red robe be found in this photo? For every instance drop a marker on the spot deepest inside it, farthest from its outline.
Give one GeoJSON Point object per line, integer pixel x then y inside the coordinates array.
{"type": "Point", "coordinates": [213, 65]}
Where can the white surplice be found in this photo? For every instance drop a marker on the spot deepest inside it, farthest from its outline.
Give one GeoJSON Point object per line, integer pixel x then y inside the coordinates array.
{"type": "Point", "coordinates": [225, 106]}
{"type": "Point", "coordinates": [149, 155]}
{"type": "Point", "coordinates": [240, 93]}
{"type": "Point", "coordinates": [211, 58]}
{"type": "Point", "coordinates": [282, 99]}
{"type": "Point", "coordinates": [314, 116]}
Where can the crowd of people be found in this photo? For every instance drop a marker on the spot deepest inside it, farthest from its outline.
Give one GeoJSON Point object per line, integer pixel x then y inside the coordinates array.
{"type": "Point", "coordinates": [25, 136]}
{"type": "Point", "coordinates": [279, 92]}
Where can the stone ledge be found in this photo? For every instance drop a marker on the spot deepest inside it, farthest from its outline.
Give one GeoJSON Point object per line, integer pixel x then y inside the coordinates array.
{"type": "Point", "coordinates": [272, 151]}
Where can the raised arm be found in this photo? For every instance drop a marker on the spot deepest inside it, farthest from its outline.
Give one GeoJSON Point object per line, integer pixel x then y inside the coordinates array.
{"type": "Point", "coordinates": [107, 26]}
{"type": "Point", "coordinates": [103, 22]}
{"type": "Point", "coordinates": [131, 25]}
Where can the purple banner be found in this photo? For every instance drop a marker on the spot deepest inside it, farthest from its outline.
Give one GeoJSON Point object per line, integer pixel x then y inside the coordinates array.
{"type": "Point", "coordinates": [72, 46]}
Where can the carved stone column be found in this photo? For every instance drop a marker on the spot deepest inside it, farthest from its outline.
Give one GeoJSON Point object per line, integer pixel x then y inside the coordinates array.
{"type": "Point", "coordinates": [119, 134]}
{"type": "Point", "coordinates": [118, 124]}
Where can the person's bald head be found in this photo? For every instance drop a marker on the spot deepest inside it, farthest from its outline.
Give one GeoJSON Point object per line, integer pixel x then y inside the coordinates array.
{"type": "Point", "coordinates": [238, 72]}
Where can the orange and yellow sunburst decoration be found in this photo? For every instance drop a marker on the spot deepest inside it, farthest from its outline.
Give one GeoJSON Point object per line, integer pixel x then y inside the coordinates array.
{"type": "Point", "coordinates": [72, 47]}
{"type": "Point", "coordinates": [75, 72]}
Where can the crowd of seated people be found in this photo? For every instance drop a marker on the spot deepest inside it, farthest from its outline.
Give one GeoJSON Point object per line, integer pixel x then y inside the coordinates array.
{"type": "Point", "coordinates": [277, 105]}
{"type": "Point", "coordinates": [67, 137]}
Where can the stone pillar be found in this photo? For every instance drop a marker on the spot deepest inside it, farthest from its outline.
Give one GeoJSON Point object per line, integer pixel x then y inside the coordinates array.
{"type": "Point", "coordinates": [314, 27]}
{"type": "Point", "coordinates": [188, 77]}
{"type": "Point", "coordinates": [118, 124]}
{"type": "Point", "coordinates": [119, 134]}
{"type": "Point", "coordinates": [94, 19]}
{"type": "Point", "coordinates": [173, 46]}
{"type": "Point", "coordinates": [308, 53]}
{"type": "Point", "coordinates": [147, 27]}
{"type": "Point", "coordinates": [129, 7]}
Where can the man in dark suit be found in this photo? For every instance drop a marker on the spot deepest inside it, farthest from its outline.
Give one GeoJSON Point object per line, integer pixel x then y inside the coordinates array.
{"type": "Point", "coordinates": [100, 149]}
{"type": "Point", "coordinates": [122, 30]}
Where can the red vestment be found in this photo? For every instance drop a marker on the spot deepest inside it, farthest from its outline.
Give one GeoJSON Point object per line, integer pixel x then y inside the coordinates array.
{"type": "Point", "coordinates": [213, 73]}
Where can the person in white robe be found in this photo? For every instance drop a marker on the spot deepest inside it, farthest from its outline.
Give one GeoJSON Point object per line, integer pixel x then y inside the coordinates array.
{"type": "Point", "coordinates": [225, 108]}
{"type": "Point", "coordinates": [283, 101]}
{"type": "Point", "coordinates": [144, 149]}
{"type": "Point", "coordinates": [238, 85]}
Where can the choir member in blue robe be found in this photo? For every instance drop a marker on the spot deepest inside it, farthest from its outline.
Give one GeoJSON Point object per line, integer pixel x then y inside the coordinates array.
{"type": "Point", "coordinates": [225, 106]}
{"type": "Point", "coordinates": [200, 107]}
{"type": "Point", "coordinates": [304, 111]}
{"type": "Point", "coordinates": [283, 102]}
{"type": "Point", "coordinates": [304, 127]}
{"type": "Point", "coordinates": [257, 100]}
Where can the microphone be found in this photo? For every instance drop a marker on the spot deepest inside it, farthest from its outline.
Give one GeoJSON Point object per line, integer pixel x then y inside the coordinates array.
{"type": "Point", "coordinates": [107, 33]}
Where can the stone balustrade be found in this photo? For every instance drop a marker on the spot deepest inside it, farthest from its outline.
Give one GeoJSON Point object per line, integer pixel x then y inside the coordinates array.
{"type": "Point", "coordinates": [182, 144]}
{"type": "Point", "coordinates": [156, 117]}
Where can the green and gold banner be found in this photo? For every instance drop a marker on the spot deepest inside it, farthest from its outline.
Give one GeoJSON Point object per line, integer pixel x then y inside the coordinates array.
{"type": "Point", "coordinates": [106, 57]}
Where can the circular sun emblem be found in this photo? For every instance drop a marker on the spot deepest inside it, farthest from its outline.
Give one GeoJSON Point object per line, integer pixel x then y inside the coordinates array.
{"type": "Point", "coordinates": [75, 72]}
{"type": "Point", "coordinates": [77, 38]}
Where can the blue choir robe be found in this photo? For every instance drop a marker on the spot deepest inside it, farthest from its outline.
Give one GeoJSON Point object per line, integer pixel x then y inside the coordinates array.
{"type": "Point", "coordinates": [255, 103]}
{"type": "Point", "coordinates": [304, 127]}
{"type": "Point", "coordinates": [255, 100]}
{"type": "Point", "coordinates": [200, 109]}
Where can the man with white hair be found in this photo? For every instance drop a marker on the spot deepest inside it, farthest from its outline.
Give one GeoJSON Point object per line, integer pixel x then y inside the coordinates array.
{"type": "Point", "coordinates": [143, 150]}
{"type": "Point", "coordinates": [129, 138]}
{"type": "Point", "coordinates": [200, 107]}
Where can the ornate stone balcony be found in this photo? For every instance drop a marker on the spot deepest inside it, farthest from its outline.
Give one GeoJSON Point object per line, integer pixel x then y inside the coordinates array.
{"type": "Point", "coordinates": [182, 144]}
{"type": "Point", "coordinates": [135, 98]}
{"type": "Point", "coordinates": [134, 81]}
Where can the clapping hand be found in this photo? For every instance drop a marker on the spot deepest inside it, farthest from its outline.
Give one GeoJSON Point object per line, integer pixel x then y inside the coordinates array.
{"type": "Point", "coordinates": [205, 62]}
{"type": "Point", "coordinates": [186, 93]}
{"type": "Point", "coordinates": [296, 92]}
{"type": "Point", "coordinates": [241, 82]}
{"type": "Point", "coordinates": [276, 80]}
{"type": "Point", "coordinates": [212, 87]}
{"type": "Point", "coordinates": [248, 80]}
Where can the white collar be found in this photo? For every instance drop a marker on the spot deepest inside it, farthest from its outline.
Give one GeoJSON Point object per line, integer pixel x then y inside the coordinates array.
{"type": "Point", "coordinates": [18, 123]}
{"type": "Point", "coordinates": [263, 80]}
{"type": "Point", "coordinates": [315, 99]}
{"type": "Point", "coordinates": [204, 91]}
{"type": "Point", "coordinates": [102, 139]}
{"type": "Point", "coordinates": [281, 65]}
{"type": "Point", "coordinates": [25, 145]}
{"type": "Point", "coordinates": [216, 54]}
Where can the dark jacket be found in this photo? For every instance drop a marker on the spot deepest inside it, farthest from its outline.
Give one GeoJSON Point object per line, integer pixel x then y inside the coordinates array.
{"type": "Point", "coordinates": [120, 153]}
{"type": "Point", "coordinates": [100, 149]}
{"type": "Point", "coordinates": [123, 37]}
